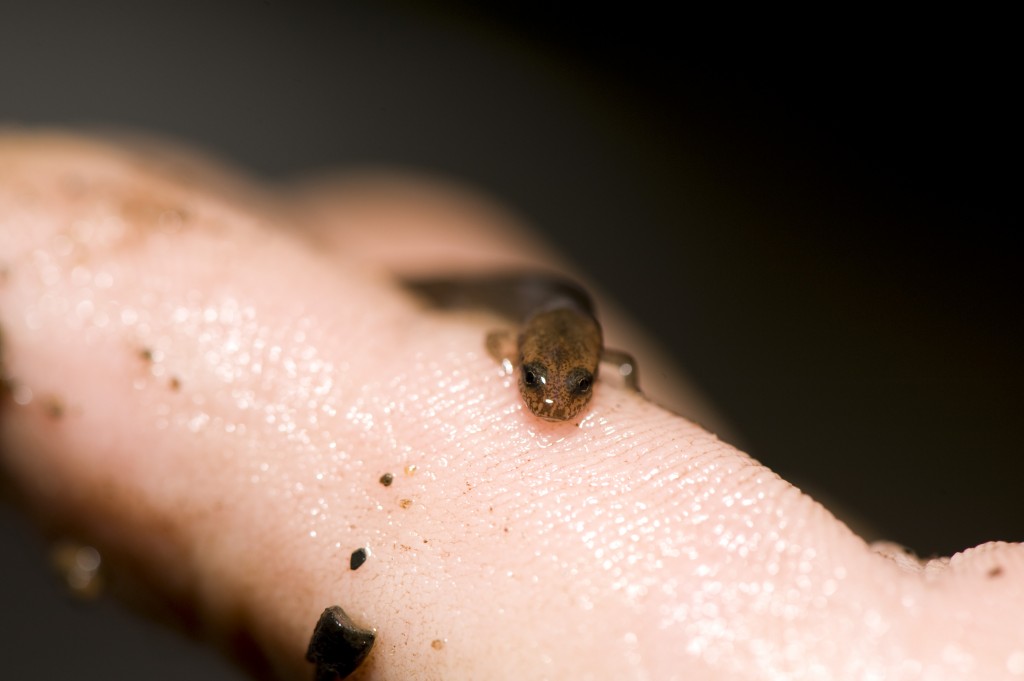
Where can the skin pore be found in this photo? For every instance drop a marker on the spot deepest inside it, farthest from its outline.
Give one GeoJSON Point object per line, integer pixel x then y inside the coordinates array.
{"type": "Point", "coordinates": [238, 371]}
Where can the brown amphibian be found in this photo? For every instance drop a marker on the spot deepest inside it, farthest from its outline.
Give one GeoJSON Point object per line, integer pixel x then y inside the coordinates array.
{"type": "Point", "coordinates": [558, 347]}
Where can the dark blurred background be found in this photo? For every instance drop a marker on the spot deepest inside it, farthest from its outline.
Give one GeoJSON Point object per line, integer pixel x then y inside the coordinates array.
{"type": "Point", "coordinates": [817, 214]}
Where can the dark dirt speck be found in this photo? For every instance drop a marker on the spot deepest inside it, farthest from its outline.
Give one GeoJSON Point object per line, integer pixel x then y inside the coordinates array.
{"type": "Point", "coordinates": [359, 557]}
{"type": "Point", "coordinates": [338, 646]}
{"type": "Point", "coordinates": [387, 479]}
{"type": "Point", "coordinates": [54, 408]}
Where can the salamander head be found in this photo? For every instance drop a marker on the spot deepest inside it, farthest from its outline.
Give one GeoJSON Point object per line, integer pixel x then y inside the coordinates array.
{"type": "Point", "coordinates": [552, 394]}
{"type": "Point", "coordinates": [559, 352]}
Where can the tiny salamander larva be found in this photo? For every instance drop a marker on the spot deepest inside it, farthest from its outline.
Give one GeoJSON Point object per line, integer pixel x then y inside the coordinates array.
{"type": "Point", "coordinates": [558, 347]}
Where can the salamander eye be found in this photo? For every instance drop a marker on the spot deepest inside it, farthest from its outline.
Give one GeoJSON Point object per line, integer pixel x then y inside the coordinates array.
{"type": "Point", "coordinates": [581, 381]}
{"type": "Point", "coordinates": [534, 375]}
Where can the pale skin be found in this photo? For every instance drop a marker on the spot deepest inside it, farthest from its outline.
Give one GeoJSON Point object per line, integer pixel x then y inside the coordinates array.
{"type": "Point", "coordinates": [206, 381]}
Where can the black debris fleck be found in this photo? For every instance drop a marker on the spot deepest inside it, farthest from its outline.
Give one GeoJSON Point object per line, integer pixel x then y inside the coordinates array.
{"type": "Point", "coordinates": [338, 646]}
{"type": "Point", "coordinates": [387, 479]}
{"type": "Point", "coordinates": [359, 557]}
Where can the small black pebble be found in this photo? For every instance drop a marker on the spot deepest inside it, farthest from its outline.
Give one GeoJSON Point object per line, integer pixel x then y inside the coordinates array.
{"type": "Point", "coordinates": [359, 557]}
{"type": "Point", "coordinates": [338, 646]}
{"type": "Point", "coordinates": [387, 479]}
